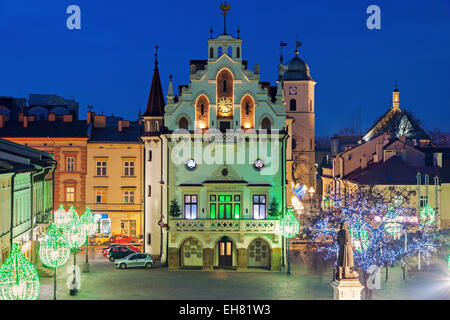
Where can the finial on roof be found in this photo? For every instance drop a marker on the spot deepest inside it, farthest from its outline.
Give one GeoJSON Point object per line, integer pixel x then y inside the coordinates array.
{"type": "Point", "coordinates": [395, 90]}
{"type": "Point", "coordinates": [211, 32]}
{"type": "Point", "coordinates": [238, 31]}
{"type": "Point", "coordinates": [156, 56]}
{"type": "Point", "coordinates": [225, 7]}
{"type": "Point", "coordinates": [282, 44]}
{"type": "Point", "coordinates": [298, 44]}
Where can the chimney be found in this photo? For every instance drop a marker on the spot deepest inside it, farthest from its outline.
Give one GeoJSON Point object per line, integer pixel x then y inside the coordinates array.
{"type": "Point", "coordinates": [51, 116]}
{"type": "Point", "coordinates": [3, 119]}
{"type": "Point", "coordinates": [90, 115]}
{"type": "Point", "coordinates": [363, 161]}
{"type": "Point", "coordinates": [67, 118]}
{"type": "Point", "coordinates": [123, 124]}
{"type": "Point", "coordinates": [379, 153]}
{"type": "Point", "coordinates": [21, 117]}
{"type": "Point", "coordinates": [99, 121]}
{"type": "Point", "coordinates": [120, 125]}
{"type": "Point", "coordinates": [25, 122]}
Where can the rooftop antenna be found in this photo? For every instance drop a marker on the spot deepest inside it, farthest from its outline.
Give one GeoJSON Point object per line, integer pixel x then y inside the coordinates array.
{"type": "Point", "coordinates": [225, 7]}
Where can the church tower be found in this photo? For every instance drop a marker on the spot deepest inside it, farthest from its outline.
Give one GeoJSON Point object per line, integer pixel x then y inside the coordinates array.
{"type": "Point", "coordinates": [298, 93]}
{"type": "Point", "coordinates": [154, 177]}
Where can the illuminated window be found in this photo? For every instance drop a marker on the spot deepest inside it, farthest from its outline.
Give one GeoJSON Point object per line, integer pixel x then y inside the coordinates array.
{"type": "Point", "coordinates": [70, 193]}
{"type": "Point", "coordinates": [191, 206]}
{"type": "Point", "coordinates": [100, 196]}
{"type": "Point", "coordinates": [128, 167]}
{"type": "Point", "coordinates": [128, 196]}
{"type": "Point", "coordinates": [101, 168]}
{"type": "Point", "coordinates": [259, 207]}
{"type": "Point", "coordinates": [70, 163]}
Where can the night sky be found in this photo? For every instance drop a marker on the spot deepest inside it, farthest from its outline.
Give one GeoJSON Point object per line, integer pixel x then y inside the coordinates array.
{"type": "Point", "coordinates": [109, 62]}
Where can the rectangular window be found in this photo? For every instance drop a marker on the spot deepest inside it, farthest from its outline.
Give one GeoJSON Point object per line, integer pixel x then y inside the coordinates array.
{"type": "Point", "coordinates": [70, 162]}
{"type": "Point", "coordinates": [101, 168]}
{"type": "Point", "coordinates": [70, 194]}
{"type": "Point", "coordinates": [259, 207]}
{"type": "Point", "coordinates": [149, 155]}
{"type": "Point", "coordinates": [191, 206]}
{"type": "Point", "coordinates": [128, 196]}
{"type": "Point", "coordinates": [100, 196]}
{"type": "Point", "coordinates": [128, 168]}
{"type": "Point", "coordinates": [423, 201]}
{"type": "Point", "coordinates": [224, 206]}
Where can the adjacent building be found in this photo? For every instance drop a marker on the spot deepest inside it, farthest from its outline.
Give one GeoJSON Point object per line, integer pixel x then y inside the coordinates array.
{"type": "Point", "coordinates": [26, 198]}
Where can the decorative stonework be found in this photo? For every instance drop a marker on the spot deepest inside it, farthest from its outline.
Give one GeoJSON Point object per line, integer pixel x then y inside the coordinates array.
{"type": "Point", "coordinates": [224, 172]}
{"type": "Point", "coordinates": [347, 289]}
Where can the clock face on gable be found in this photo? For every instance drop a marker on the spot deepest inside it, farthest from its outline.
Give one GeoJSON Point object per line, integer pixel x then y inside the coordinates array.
{"type": "Point", "coordinates": [293, 91]}
{"type": "Point", "coordinates": [225, 105]}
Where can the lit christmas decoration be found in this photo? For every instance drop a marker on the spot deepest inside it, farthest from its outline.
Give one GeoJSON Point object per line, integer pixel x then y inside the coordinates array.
{"type": "Point", "coordinates": [88, 221]}
{"type": "Point", "coordinates": [297, 205]}
{"type": "Point", "coordinates": [19, 279]}
{"type": "Point", "coordinates": [289, 224]}
{"type": "Point", "coordinates": [54, 249]}
{"type": "Point", "coordinates": [60, 217]}
{"type": "Point", "coordinates": [427, 215]}
{"type": "Point", "coordinates": [74, 231]}
{"type": "Point", "coordinates": [300, 190]}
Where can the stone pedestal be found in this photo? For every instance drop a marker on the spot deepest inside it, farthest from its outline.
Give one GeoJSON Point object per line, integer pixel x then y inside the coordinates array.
{"type": "Point", "coordinates": [347, 289]}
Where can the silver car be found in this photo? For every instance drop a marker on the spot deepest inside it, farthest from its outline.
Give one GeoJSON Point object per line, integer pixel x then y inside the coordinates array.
{"type": "Point", "coordinates": [135, 260]}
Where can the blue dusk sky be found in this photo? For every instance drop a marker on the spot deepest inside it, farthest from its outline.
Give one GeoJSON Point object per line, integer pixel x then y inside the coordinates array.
{"type": "Point", "coordinates": [109, 62]}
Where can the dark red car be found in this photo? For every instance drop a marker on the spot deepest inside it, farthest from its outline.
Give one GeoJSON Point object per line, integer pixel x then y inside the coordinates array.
{"type": "Point", "coordinates": [105, 251]}
{"type": "Point", "coordinates": [120, 239]}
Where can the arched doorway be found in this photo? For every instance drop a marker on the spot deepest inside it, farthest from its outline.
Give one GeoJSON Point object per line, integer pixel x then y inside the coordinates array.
{"type": "Point", "coordinates": [259, 254]}
{"type": "Point", "coordinates": [192, 253]}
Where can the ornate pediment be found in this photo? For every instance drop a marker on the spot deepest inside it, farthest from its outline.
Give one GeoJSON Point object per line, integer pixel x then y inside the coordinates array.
{"type": "Point", "coordinates": [224, 172]}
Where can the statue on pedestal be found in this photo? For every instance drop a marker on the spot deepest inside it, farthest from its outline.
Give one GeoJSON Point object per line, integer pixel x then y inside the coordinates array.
{"type": "Point", "coordinates": [345, 263]}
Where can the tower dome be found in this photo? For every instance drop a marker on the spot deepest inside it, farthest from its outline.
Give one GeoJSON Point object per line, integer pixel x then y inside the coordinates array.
{"type": "Point", "coordinates": [296, 69]}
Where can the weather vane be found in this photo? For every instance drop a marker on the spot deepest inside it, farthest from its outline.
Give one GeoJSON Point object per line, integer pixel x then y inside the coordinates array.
{"type": "Point", "coordinates": [225, 7]}
{"type": "Point", "coordinates": [156, 56]}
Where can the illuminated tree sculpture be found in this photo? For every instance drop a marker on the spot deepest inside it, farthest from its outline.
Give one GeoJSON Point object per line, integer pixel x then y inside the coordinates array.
{"type": "Point", "coordinates": [289, 227]}
{"type": "Point", "coordinates": [60, 217]}
{"type": "Point", "coordinates": [75, 234]}
{"type": "Point", "coordinates": [90, 226]}
{"type": "Point", "coordinates": [19, 279]}
{"type": "Point", "coordinates": [54, 252]}
{"type": "Point", "coordinates": [427, 215]}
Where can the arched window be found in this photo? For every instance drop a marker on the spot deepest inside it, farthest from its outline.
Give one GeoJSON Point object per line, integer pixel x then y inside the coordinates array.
{"type": "Point", "coordinates": [247, 112]}
{"type": "Point", "coordinates": [293, 105]}
{"type": "Point", "coordinates": [266, 125]}
{"type": "Point", "coordinates": [202, 112]}
{"type": "Point", "coordinates": [230, 51]}
{"type": "Point", "coordinates": [238, 52]}
{"type": "Point", "coordinates": [224, 85]}
{"type": "Point", "coordinates": [224, 93]}
{"type": "Point", "coordinates": [211, 52]}
{"type": "Point", "coordinates": [183, 123]}
{"type": "Point", "coordinates": [219, 52]}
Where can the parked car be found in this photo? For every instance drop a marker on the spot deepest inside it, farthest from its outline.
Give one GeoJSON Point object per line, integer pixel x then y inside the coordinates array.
{"type": "Point", "coordinates": [119, 253]}
{"type": "Point", "coordinates": [120, 238]}
{"type": "Point", "coordinates": [106, 250]}
{"type": "Point", "coordinates": [135, 260]}
{"type": "Point", "coordinates": [99, 239]}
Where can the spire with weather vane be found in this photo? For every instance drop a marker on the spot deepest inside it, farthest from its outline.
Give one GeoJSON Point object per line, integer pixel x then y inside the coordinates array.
{"type": "Point", "coordinates": [225, 7]}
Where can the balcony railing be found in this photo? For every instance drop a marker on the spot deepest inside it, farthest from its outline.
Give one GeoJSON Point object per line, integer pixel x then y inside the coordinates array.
{"type": "Point", "coordinates": [217, 225]}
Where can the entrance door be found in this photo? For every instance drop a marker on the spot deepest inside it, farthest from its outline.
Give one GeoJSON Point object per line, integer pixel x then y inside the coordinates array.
{"type": "Point", "coordinates": [225, 257]}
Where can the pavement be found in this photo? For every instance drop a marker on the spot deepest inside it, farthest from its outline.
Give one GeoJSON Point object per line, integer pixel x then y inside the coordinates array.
{"type": "Point", "coordinates": [105, 282]}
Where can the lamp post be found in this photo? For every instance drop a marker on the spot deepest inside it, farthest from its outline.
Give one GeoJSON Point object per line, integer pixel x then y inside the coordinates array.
{"type": "Point", "coordinates": [76, 236]}
{"type": "Point", "coordinates": [90, 227]}
{"type": "Point", "coordinates": [54, 251]}
{"type": "Point", "coordinates": [19, 279]}
{"type": "Point", "coordinates": [289, 227]}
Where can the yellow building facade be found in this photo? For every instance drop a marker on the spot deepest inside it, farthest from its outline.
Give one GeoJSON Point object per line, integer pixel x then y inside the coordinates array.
{"type": "Point", "coordinates": [114, 181]}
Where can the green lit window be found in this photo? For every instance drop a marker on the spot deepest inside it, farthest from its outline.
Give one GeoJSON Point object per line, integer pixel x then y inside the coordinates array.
{"type": "Point", "coordinates": [225, 206]}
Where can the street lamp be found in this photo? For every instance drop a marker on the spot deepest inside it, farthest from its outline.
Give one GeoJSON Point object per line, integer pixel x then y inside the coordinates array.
{"type": "Point", "coordinates": [88, 222]}
{"type": "Point", "coordinates": [76, 236]}
{"type": "Point", "coordinates": [54, 251]}
{"type": "Point", "coordinates": [19, 279]}
{"type": "Point", "coordinates": [289, 227]}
